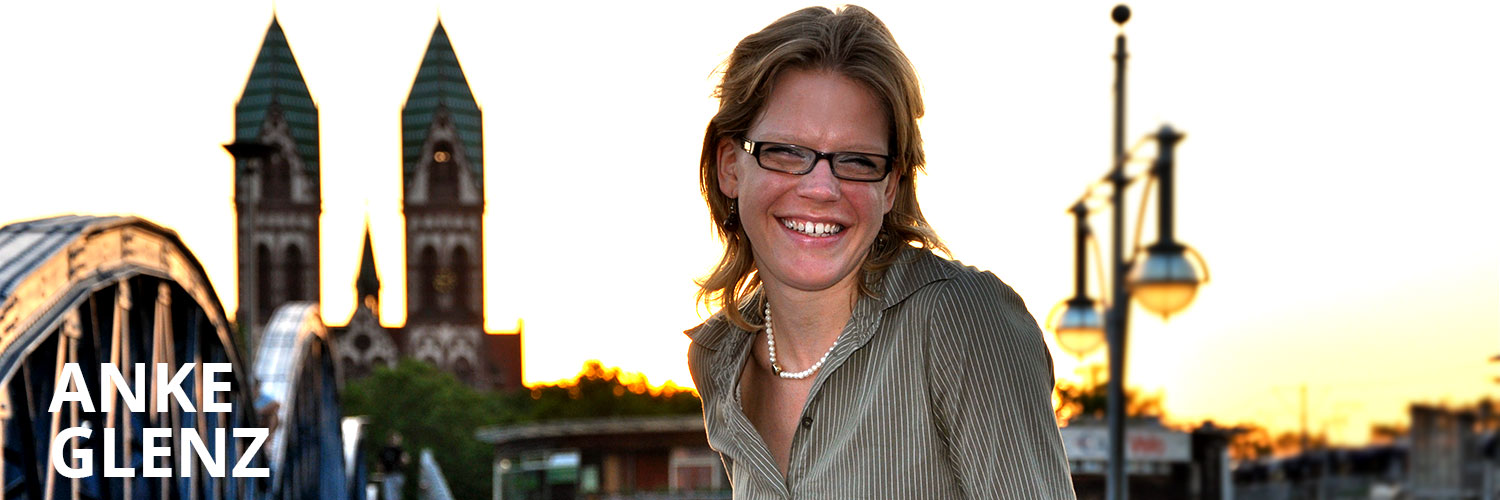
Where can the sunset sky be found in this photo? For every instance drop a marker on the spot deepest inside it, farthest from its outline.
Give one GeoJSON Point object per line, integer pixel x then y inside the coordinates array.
{"type": "Point", "coordinates": [1339, 173]}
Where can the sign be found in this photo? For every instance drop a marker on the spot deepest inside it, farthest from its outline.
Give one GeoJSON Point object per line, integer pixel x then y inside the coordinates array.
{"type": "Point", "coordinates": [1142, 444]}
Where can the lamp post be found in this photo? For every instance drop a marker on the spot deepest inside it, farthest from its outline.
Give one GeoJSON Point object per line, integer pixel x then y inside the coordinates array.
{"type": "Point", "coordinates": [1163, 279]}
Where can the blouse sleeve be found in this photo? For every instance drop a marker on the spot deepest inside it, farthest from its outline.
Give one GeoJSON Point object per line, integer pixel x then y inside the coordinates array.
{"type": "Point", "coordinates": [698, 363]}
{"type": "Point", "coordinates": [991, 377]}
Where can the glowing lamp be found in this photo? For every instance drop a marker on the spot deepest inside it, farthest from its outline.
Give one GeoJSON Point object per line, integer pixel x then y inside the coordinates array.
{"type": "Point", "coordinates": [1164, 281]}
{"type": "Point", "coordinates": [1080, 327]}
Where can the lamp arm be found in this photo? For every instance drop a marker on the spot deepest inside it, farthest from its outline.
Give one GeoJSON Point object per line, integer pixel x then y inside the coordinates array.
{"type": "Point", "coordinates": [1140, 218]}
{"type": "Point", "coordinates": [1128, 159]}
{"type": "Point", "coordinates": [1201, 261]}
{"type": "Point", "coordinates": [1052, 317]}
{"type": "Point", "coordinates": [1093, 193]}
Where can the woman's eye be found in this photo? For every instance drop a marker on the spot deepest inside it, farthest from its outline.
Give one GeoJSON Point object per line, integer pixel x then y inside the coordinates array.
{"type": "Point", "coordinates": [783, 154]}
{"type": "Point", "coordinates": [857, 162]}
{"type": "Point", "coordinates": [779, 149]}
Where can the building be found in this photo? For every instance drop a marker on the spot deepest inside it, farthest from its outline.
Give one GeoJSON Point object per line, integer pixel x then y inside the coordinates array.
{"type": "Point", "coordinates": [658, 457]}
{"type": "Point", "coordinates": [1160, 462]}
{"type": "Point", "coordinates": [1448, 453]}
{"type": "Point", "coordinates": [278, 203]}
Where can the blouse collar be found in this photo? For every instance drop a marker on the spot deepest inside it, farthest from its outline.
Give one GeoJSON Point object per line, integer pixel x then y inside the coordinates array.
{"type": "Point", "coordinates": [914, 268]}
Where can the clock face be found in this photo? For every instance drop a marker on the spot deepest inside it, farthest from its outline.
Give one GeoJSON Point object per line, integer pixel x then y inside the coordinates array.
{"type": "Point", "coordinates": [444, 281]}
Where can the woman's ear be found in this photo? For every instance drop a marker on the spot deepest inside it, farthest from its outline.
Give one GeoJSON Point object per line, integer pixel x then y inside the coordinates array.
{"type": "Point", "coordinates": [892, 188]}
{"type": "Point", "coordinates": [728, 169]}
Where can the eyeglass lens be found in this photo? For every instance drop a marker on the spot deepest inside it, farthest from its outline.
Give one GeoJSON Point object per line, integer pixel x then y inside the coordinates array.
{"type": "Point", "coordinates": [799, 160]}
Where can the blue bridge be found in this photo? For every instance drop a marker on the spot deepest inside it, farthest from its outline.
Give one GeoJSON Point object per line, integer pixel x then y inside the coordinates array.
{"type": "Point", "coordinates": [81, 297]}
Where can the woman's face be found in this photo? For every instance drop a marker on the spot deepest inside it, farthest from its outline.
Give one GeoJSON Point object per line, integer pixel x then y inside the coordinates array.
{"type": "Point", "coordinates": [827, 112]}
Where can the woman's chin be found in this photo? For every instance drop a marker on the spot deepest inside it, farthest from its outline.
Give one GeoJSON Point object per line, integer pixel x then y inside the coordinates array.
{"type": "Point", "coordinates": [814, 278]}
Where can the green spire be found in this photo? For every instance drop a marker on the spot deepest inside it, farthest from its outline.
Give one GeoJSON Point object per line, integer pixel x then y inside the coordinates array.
{"type": "Point", "coordinates": [368, 282]}
{"type": "Point", "coordinates": [276, 79]}
{"type": "Point", "coordinates": [440, 84]}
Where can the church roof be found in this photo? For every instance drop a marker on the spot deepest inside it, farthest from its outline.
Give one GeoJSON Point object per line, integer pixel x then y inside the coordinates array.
{"type": "Point", "coordinates": [368, 282]}
{"type": "Point", "coordinates": [440, 84]}
{"type": "Point", "coordinates": [275, 78]}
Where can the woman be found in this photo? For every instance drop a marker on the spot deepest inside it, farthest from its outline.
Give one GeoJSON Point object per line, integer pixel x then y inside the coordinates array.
{"type": "Point", "coordinates": [848, 361]}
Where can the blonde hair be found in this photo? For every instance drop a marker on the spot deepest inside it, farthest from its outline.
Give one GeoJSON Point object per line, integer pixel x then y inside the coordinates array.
{"type": "Point", "coordinates": [850, 42]}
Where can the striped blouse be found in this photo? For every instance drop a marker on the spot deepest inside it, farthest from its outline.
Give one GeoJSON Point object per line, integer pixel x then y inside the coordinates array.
{"type": "Point", "coordinates": [939, 388]}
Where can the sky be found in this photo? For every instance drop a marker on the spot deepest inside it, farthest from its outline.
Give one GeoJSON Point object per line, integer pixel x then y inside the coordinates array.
{"type": "Point", "coordinates": [1338, 174]}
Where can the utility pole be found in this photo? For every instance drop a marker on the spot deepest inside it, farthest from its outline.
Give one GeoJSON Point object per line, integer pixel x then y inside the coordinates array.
{"type": "Point", "coordinates": [1304, 419]}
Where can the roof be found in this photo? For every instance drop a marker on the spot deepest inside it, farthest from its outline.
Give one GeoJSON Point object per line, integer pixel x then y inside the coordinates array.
{"type": "Point", "coordinates": [590, 427]}
{"type": "Point", "coordinates": [441, 85]}
{"type": "Point", "coordinates": [276, 79]}
{"type": "Point", "coordinates": [368, 282]}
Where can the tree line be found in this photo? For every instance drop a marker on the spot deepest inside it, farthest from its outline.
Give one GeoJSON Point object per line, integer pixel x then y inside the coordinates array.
{"type": "Point", "coordinates": [429, 408]}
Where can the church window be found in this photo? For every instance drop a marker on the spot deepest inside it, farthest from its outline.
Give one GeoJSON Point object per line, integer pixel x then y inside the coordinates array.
{"type": "Point", "coordinates": [278, 186]}
{"type": "Point", "coordinates": [294, 274]}
{"type": "Point", "coordinates": [463, 283]}
{"type": "Point", "coordinates": [353, 369]}
{"type": "Point", "coordinates": [444, 178]}
{"type": "Point", "coordinates": [427, 273]}
{"type": "Point", "coordinates": [264, 287]}
{"type": "Point", "coordinates": [463, 370]}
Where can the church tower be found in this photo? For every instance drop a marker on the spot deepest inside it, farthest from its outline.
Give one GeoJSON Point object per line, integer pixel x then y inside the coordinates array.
{"type": "Point", "coordinates": [277, 195]}
{"type": "Point", "coordinates": [443, 201]}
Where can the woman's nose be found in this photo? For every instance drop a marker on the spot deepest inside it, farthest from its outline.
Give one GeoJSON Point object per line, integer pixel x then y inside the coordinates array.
{"type": "Point", "coordinates": [819, 184]}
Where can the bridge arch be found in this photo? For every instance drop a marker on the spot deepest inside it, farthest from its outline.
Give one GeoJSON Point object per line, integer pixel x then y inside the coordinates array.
{"type": "Point", "coordinates": [123, 290]}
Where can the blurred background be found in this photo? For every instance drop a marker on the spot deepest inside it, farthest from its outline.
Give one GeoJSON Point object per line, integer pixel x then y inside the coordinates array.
{"type": "Point", "coordinates": [1337, 176]}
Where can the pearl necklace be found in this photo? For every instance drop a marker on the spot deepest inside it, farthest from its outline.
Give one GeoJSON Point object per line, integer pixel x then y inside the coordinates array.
{"type": "Point", "coordinates": [771, 348]}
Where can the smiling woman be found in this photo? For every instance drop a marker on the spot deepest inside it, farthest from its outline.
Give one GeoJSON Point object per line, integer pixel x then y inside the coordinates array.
{"type": "Point", "coordinates": [887, 371]}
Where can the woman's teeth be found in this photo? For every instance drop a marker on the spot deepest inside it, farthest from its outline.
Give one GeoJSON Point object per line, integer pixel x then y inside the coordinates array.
{"type": "Point", "coordinates": [813, 228]}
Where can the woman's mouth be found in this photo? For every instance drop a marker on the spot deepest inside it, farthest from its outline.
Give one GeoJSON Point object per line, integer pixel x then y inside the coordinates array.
{"type": "Point", "coordinates": [814, 229]}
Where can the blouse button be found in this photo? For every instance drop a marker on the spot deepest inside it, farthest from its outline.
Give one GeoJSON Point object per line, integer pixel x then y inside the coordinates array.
{"type": "Point", "coordinates": [806, 422]}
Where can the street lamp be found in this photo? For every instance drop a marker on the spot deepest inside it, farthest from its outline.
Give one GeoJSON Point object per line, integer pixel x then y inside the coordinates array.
{"type": "Point", "coordinates": [1160, 276]}
{"type": "Point", "coordinates": [250, 153]}
{"type": "Point", "coordinates": [1080, 327]}
{"type": "Point", "coordinates": [1165, 281]}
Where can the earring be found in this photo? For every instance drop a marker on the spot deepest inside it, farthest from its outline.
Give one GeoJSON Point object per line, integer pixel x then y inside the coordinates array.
{"type": "Point", "coordinates": [731, 222]}
{"type": "Point", "coordinates": [882, 240]}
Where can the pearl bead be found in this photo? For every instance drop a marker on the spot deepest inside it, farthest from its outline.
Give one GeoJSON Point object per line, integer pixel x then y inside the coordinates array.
{"type": "Point", "coordinates": [771, 350]}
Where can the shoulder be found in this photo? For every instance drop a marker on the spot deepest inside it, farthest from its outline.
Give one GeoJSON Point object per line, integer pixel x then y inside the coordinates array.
{"type": "Point", "coordinates": [708, 343]}
{"type": "Point", "coordinates": [966, 310]}
{"type": "Point", "coordinates": [704, 344]}
{"type": "Point", "coordinates": [978, 330]}
{"type": "Point", "coordinates": [950, 287]}
{"type": "Point", "coordinates": [972, 291]}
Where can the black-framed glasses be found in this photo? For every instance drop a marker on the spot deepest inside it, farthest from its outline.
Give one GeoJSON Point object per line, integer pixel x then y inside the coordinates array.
{"type": "Point", "coordinates": [799, 160]}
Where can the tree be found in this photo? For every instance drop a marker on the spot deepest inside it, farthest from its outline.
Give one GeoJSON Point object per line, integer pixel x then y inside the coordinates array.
{"type": "Point", "coordinates": [1253, 443]}
{"type": "Point", "coordinates": [1074, 400]}
{"type": "Point", "coordinates": [1387, 433]}
{"type": "Point", "coordinates": [431, 409]}
{"type": "Point", "coordinates": [601, 392]}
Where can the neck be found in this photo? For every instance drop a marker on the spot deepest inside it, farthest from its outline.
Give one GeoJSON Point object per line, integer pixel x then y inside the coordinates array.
{"type": "Point", "coordinates": [807, 322]}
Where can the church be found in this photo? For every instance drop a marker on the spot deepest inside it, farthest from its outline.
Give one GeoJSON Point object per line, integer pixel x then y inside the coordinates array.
{"type": "Point", "coordinates": [278, 204]}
